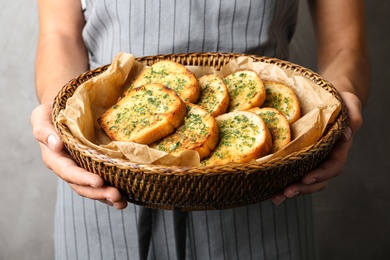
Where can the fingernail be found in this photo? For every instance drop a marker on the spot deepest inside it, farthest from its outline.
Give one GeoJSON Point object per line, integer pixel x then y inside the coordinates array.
{"type": "Point", "coordinates": [347, 133]}
{"type": "Point", "coordinates": [311, 181]}
{"type": "Point", "coordinates": [291, 195]}
{"type": "Point", "coordinates": [52, 141]}
{"type": "Point", "coordinates": [280, 200]}
{"type": "Point", "coordinates": [109, 202]}
{"type": "Point", "coordinates": [117, 206]}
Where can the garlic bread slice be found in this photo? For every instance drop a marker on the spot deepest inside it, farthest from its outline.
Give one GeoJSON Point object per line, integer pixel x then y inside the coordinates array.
{"type": "Point", "coordinates": [214, 96]}
{"type": "Point", "coordinates": [277, 125]}
{"type": "Point", "coordinates": [172, 75]}
{"type": "Point", "coordinates": [243, 137]}
{"type": "Point", "coordinates": [284, 99]}
{"type": "Point", "coordinates": [199, 132]}
{"type": "Point", "coordinates": [246, 90]}
{"type": "Point", "coordinates": [145, 115]}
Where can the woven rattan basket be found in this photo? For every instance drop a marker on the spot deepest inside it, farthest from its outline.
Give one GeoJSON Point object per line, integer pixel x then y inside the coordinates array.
{"type": "Point", "coordinates": [200, 188]}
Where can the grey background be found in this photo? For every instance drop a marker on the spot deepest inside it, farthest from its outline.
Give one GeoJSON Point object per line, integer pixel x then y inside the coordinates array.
{"type": "Point", "coordinates": [352, 213]}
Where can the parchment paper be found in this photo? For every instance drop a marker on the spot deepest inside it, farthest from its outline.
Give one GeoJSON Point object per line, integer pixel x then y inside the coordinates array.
{"type": "Point", "coordinates": [92, 98]}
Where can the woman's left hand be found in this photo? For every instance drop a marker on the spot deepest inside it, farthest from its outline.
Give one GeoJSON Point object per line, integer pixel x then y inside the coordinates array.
{"type": "Point", "coordinates": [318, 179]}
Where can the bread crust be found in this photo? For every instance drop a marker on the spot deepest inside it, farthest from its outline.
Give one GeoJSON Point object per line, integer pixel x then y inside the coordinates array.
{"type": "Point", "coordinates": [277, 124]}
{"type": "Point", "coordinates": [172, 75]}
{"type": "Point", "coordinates": [199, 132]}
{"type": "Point", "coordinates": [244, 137]}
{"type": "Point", "coordinates": [214, 96]}
{"type": "Point", "coordinates": [246, 90]}
{"type": "Point", "coordinates": [145, 115]}
{"type": "Point", "coordinates": [284, 99]}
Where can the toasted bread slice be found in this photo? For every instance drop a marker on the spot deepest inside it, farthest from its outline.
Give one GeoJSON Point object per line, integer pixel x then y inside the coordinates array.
{"type": "Point", "coordinates": [243, 137]}
{"type": "Point", "coordinates": [214, 96]}
{"type": "Point", "coordinates": [246, 90]}
{"type": "Point", "coordinates": [277, 125]}
{"type": "Point", "coordinates": [284, 99]}
{"type": "Point", "coordinates": [145, 115]}
{"type": "Point", "coordinates": [199, 132]}
{"type": "Point", "coordinates": [172, 75]}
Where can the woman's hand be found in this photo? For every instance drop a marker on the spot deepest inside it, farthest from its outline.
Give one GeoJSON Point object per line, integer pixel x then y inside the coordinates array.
{"type": "Point", "coordinates": [332, 166]}
{"type": "Point", "coordinates": [57, 159]}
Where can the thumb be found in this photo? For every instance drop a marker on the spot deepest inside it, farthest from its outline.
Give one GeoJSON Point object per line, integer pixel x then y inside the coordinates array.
{"type": "Point", "coordinates": [43, 128]}
{"type": "Point", "coordinates": [354, 109]}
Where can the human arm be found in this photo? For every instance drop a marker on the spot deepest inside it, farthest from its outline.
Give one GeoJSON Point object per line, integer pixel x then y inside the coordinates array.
{"type": "Point", "coordinates": [343, 60]}
{"type": "Point", "coordinates": [61, 56]}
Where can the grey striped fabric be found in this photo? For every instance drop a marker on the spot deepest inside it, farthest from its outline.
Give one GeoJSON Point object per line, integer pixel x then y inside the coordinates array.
{"type": "Point", "coordinates": [87, 229]}
{"type": "Point", "coordinates": [180, 26]}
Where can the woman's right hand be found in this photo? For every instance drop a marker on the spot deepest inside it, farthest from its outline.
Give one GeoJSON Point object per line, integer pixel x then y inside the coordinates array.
{"type": "Point", "coordinates": [57, 159]}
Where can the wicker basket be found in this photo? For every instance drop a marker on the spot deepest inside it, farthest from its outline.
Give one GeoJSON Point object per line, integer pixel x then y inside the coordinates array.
{"type": "Point", "coordinates": [200, 188]}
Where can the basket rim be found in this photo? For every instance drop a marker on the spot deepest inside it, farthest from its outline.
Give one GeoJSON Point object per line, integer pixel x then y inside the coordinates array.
{"type": "Point", "coordinates": [336, 128]}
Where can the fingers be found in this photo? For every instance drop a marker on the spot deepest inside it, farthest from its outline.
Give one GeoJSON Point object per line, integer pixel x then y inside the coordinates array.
{"type": "Point", "coordinates": [108, 195]}
{"type": "Point", "coordinates": [43, 129]}
{"type": "Point", "coordinates": [84, 183]}
{"type": "Point", "coordinates": [318, 179]}
{"type": "Point", "coordinates": [64, 166]}
{"type": "Point", "coordinates": [298, 189]}
{"type": "Point", "coordinates": [278, 198]}
{"type": "Point", "coordinates": [354, 108]}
